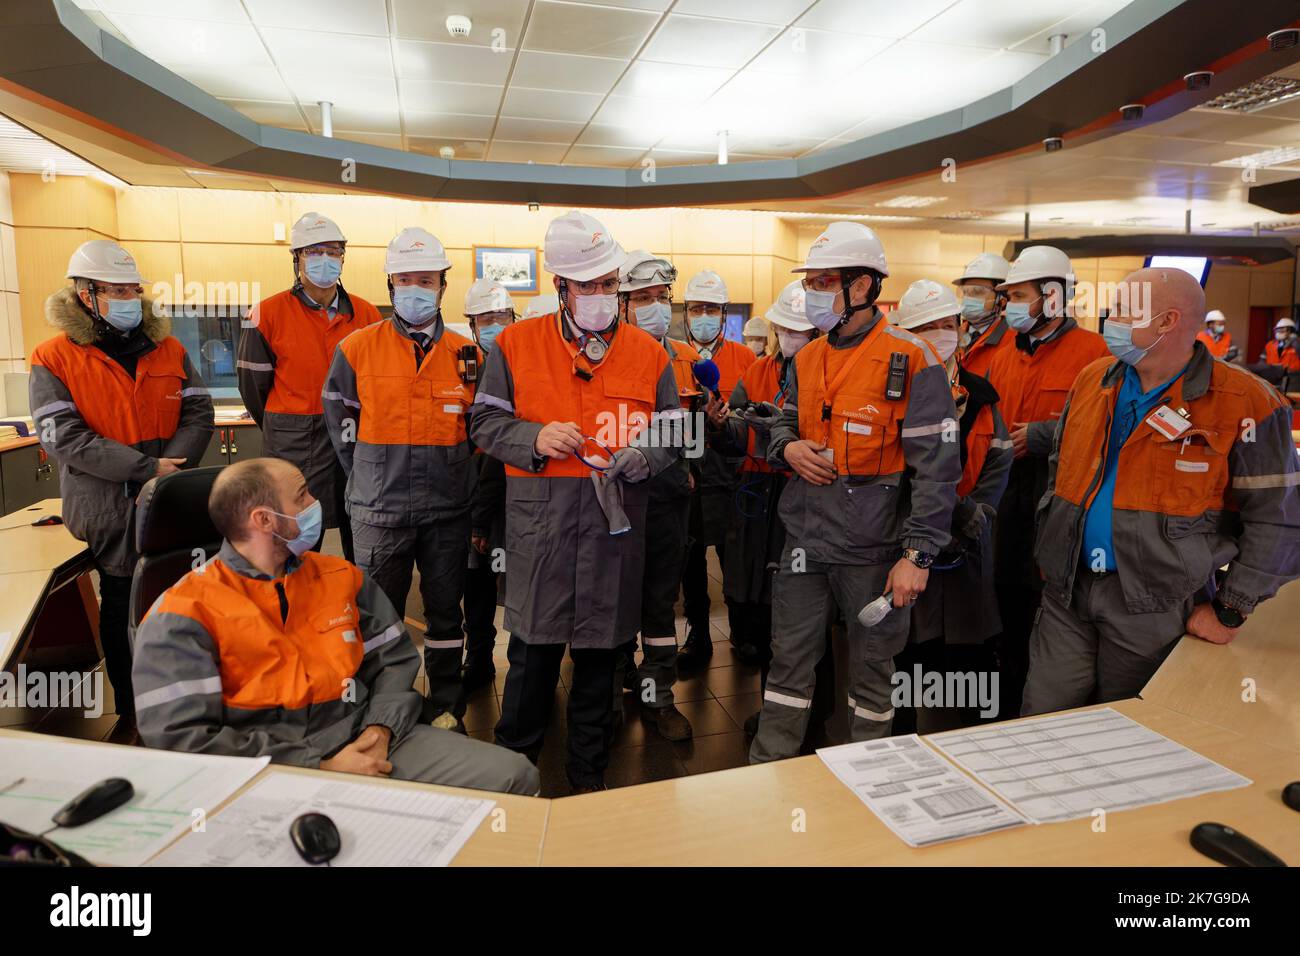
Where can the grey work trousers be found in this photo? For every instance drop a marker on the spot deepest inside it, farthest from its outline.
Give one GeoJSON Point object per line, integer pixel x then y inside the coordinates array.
{"type": "Point", "coordinates": [803, 602]}
{"type": "Point", "coordinates": [1095, 650]}
{"type": "Point", "coordinates": [430, 755]}
{"type": "Point", "coordinates": [439, 550]}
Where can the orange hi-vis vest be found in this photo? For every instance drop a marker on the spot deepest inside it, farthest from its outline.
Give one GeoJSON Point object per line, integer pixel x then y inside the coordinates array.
{"type": "Point", "coordinates": [732, 359]}
{"type": "Point", "coordinates": [762, 382]}
{"type": "Point", "coordinates": [553, 382]}
{"type": "Point", "coordinates": [400, 403]}
{"type": "Point", "coordinates": [978, 441]}
{"type": "Point", "coordinates": [1218, 349]}
{"type": "Point", "coordinates": [1185, 475]}
{"type": "Point", "coordinates": [308, 659]}
{"type": "Point", "coordinates": [1288, 358]}
{"type": "Point", "coordinates": [1032, 388]}
{"type": "Point", "coordinates": [684, 356]}
{"type": "Point", "coordinates": [842, 401]}
{"type": "Point", "coordinates": [111, 403]}
{"type": "Point", "coordinates": [978, 356]}
{"type": "Point", "coordinates": [303, 342]}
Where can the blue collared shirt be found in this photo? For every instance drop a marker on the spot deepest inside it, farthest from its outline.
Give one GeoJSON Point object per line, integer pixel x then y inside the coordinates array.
{"type": "Point", "coordinates": [1132, 407]}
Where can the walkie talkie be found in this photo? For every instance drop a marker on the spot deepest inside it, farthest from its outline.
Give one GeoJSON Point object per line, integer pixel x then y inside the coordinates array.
{"type": "Point", "coordinates": [897, 383]}
{"type": "Point", "coordinates": [467, 364]}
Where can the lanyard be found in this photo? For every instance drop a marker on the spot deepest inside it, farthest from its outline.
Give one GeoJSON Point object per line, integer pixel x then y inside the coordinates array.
{"type": "Point", "coordinates": [832, 388]}
{"type": "Point", "coordinates": [583, 369]}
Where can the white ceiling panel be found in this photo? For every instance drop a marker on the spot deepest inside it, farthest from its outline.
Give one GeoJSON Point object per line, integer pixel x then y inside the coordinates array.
{"type": "Point", "coordinates": [778, 12]}
{"type": "Point", "coordinates": [172, 41]}
{"type": "Point", "coordinates": [302, 51]}
{"type": "Point", "coordinates": [522, 130]}
{"type": "Point", "coordinates": [284, 115]}
{"type": "Point", "coordinates": [603, 156]}
{"type": "Point", "coordinates": [1076, 24]}
{"type": "Point", "coordinates": [249, 83]}
{"type": "Point", "coordinates": [691, 40]}
{"type": "Point", "coordinates": [993, 24]}
{"type": "Point", "coordinates": [629, 137]}
{"type": "Point", "coordinates": [358, 92]}
{"type": "Point", "coordinates": [449, 125]}
{"type": "Point", "coordinates": [641, 114]}
{"type": "Point", "coordinates": [557, 71]}
{"type": "Point", "coordinates": [231, 11]}
{"type": "Point", "coordinates": [429, 96]}
{"type": "Point", "coordinates": [452, 62]}
{"type": "Point", "coordinates": [660, 81]}
{"type": "Point", "coordinates": [465, 149]}
{"type": "Point", "coordinates": [578, 28]}
{"type": "Point", "coordinates": [805, 55]}
{"type": "Point", "coordinates": [882, 18]}
{"type": "Point", "coordinates": [362, 17]}
{"type": "Point", "coordinates": [427, 19]}
{"type": "Point", "coordinates": [550, 104]}
{"type": "Point", "coordinates": [504, 151]}
{"type": "Point", "coordinates": [368, 120]}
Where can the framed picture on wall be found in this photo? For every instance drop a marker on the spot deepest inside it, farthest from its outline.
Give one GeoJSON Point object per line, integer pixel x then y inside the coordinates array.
{"type": "Point", "coordinates": [514, 267]}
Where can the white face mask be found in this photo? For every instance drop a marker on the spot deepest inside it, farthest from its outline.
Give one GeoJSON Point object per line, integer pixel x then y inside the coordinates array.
{"type": "Point", "coordinates": [943, 340]}
{"type": "Point", "coordinates": [791, 342]}
{"type": "Point", "coordinates": [757, 346]}
{"type": "Point", "coordinates": [594, 313]}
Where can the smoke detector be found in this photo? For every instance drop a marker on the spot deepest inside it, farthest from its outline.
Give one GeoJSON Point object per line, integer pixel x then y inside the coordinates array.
{"type": "Point", "coordinates": [459, 26]}
{"type": "Point", "coordinates": [447, 152]}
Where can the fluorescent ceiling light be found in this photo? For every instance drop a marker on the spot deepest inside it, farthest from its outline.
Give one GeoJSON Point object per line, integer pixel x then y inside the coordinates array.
{"type": "Point", "coordinates": [910, 202]}
{"type": "Point", "coordinates": [1270, 157]}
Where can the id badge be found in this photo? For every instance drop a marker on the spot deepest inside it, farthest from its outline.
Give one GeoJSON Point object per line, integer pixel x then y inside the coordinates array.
{"type": "Point", "coordinates": [1168, 422]}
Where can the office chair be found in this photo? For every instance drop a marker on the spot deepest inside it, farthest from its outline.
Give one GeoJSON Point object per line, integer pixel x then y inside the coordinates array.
{"type": "Point", "coordinates": [171, 521]}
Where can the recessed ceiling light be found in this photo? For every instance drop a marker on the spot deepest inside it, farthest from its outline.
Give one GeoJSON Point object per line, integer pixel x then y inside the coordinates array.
{"type": "Point", "coordinates": [1269, 157]}
{"type": "Point", "coordinates": [910, 202]}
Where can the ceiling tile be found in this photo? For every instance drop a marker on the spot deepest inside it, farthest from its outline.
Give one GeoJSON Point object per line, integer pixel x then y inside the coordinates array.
{"type": "Point", "coordinates": [248, 83]}
{"type": "Point", "coordinates": [353, 120]}
{"type": "Point", "coordinates": [882, 18]}
{"type": "Point", "coordinates": [521, 130]}
{"type": "Point", "coordinates": [452, 62]}
{"type": "Point", "coordinates": [302, 51]}
{"type": "Point", "coordinates": [671, 81]}
{"type": "Point", "coordinates": [550, 105]}
{"type": "Point", "coordinates": [285, 115]}
{"type": "Point", "coordinates": [658, 6]}
{"type": "Point", "coordinates": [465, 149]}
{"type": "Point", "coordinates": [429, 96]}
{"type": "Point", "coordinates": [691, 40]}
{"type": "Point", "coordinates": [449, 125]}
{"type": "Point", "coordinates": [427, 19]}
{"type": "Point", "coordinates": [993, 24]}
{"type": "Point", "coordinates": [556, 71]}
{"type": "Point", "coordinates": [171, 41]}
{"type": "Point", "coordinates": [651, 116]}
{"type": "Point", "coordinates": [598, 134]}
{"type": "Point", "coordinates": [387, 140]}
{"type": "Point", "coordinates": [1076, 23]}
{"type": "Point", "coordinates": [603, 156]}
{"type": "Point", "coordinates": [343, 90]}
{"type": "Point", "coordinates": [673, 157]}
{"type": "Point", "coordinates": [365, 17]}
{"type": "Point", "coordinates": [779, 12]}
{"type": "Point", "coordinates": [231, 11]}
{"type": "Point", "coordinates": [804, 54]}
{"type": "Point", "coordinates": [579, 28]}
{"type": "Point", "coordinates": [504, 151]}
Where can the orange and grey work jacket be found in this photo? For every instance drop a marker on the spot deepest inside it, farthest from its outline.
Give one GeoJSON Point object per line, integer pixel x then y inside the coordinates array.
{"type": "Point", "coordinates": [106, 429]}
{"type": "Point", "coordinates": [1225, 489]}
{"type": "Point", "coordinates": [396, 414]}
{"type": "Point", "coordinates": [230, 661]}
{"type": "Point", "coordinates": [897, 460]}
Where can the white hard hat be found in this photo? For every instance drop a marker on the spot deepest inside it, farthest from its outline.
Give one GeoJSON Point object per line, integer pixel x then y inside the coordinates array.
{"type": "Point", "coordinates": [1284, 324]}
{"type": "Point", "coordinates": [755, 328]}
{"type": "Point", "coordinates": [987, 265]}
{"type": "Point", "coordinates": [312, 228]}
{"type": "Point", "coordinates": [487, 296]}
{"type": "Point", "coordinates": [787, 310]}
{"type": "Point", "coordinates": [846, 245]}
{"type": "Point", "coordinates": [104, 261]}
{"type": "Point", "coordinates": [706, 286]}
{"type": "Point", "coordinates": [1214, 315]}
{"type": "Point", "coordinates": [924, 301]}
{"type": "Point", "coordinates": [415, 250]}
{"type": "Point", "coordinates": [542, 305]}
{"type": "Point", "coordinates": [1039, 262]}
{"type": "Point", "coordinates": [641, 270]}
{"type": "Point", "coordinates": [578, 247]}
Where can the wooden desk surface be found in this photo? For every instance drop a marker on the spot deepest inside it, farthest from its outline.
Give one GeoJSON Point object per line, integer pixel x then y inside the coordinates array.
{"type": "Point", "coordinates": [24, 548]}
{"type": "Point", "coordinates": [745, 816]}
{"type": "Point", "coordinates": [1207, 681]}
{"type": "Point", "coordinates": [10, 444]}
{"type": "Point", "coordinates": [20, 595]}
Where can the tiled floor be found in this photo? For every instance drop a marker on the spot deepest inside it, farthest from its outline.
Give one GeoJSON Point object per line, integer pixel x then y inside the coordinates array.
{"type": "Point", "coordinates": [716, 700]}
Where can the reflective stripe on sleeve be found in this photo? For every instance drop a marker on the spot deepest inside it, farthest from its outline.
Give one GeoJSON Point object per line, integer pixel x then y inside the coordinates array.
{"type": "Point", "coordinates": [483, 398]}
{"type": "Point", "coordinates": [870, 714]}
{"type": "Point", "coordinates": [255, 366]}
{"type": "Point", "coordinates": [386, 637]}
{"type": "Point", "coordinates": [53, 407]}
{"type": "Point", "coordinates": [182, 688]}
{"type": "Point", "coordinates": [786, 699]}
{"type": "Point", "coordinates": [442, 645]}
{"type": "Point", "coordinates": [1288, 480]}
{"type": "Point", "coordinates": [919, 431]}
{"type": "Point", "coordinates": [340, 397]}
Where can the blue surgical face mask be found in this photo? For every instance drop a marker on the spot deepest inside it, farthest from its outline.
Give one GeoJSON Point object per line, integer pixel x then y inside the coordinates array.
{"type": "Point", "coordinates": [1119, 339]}
{"type": "Point", "coordinates": [124, 314]}
{"type": "Point", "coordinates": [1019, 318]}
{"type": "Point", "coordinates": [415, 305]}
{"type": "Point", "coordinates": [819, 309]}
{"type": "Point", "coordinates": [705, 328]}
{"type": "Point", "coordinates": [972, 308]}
{"type": "Point", "coordinates": [309, 520]}
{"type": "Point", "coordinates": [488, 335]}
{"type": "Point", "coordinates": [323, 270]}
{"type": "Point", "coordinates": [653, 319]}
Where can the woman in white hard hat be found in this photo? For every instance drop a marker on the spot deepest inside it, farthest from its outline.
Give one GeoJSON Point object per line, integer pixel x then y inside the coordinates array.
{"type": "Point", "coordinates": [756, 335]}
{"type": "Point", "coordinates": [285, 350]}
{"type": "Point", "coordinates": [488, 309]}
{"type": "Point", "coordinates": [1282, 355]}
{"type": "Point", "coordinates": [116, 402]}
{"type": "Point", "coordinates": [396, 402]}
{"type": "Point", "coordinates": [984, 330]}
{"type": "Point", "coordinates": [580, 407]}
{"type": "Point", "coordinates": [956, 617]}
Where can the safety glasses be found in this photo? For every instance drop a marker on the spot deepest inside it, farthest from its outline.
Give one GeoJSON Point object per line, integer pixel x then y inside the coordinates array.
{"type": "Point", "coordinates": [653, 270]}
{"type": "Point", "coordinates": [594, 465]}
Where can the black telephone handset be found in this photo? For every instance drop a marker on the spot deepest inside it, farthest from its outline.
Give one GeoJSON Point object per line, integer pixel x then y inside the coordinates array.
{"type": "Point", "coordinates": [896, 387]}
{"type": "Point", "coordinates": [467, 364]}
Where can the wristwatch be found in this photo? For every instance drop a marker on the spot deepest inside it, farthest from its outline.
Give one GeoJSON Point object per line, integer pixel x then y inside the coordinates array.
{"type": "Point", "coordinates": [1228, 616]}
{"type": "Point", "coordinates": [921, 559]}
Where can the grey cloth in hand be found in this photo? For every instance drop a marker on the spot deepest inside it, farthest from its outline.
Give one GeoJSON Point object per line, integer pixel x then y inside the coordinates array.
{"type": "Point", "coordinates": [629, 464]}
{"type": "Point", "coordinates": [609, 494]}
{"type": "Point", "coordinates": [762, 416]}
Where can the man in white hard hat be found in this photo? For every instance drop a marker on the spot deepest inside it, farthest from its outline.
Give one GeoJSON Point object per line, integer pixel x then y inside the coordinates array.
{"type": "Point", "coordinates": [1172, 506]}
{"type": "Point", "coordinates": [715, 475]}
{"type": "Point", "coordinates": [116, 401]}
{"type": "Point", "coordinates": [646, 301]}
{"type": "Point", "coordinates": [1216, 337]}
{"type": "Point", "coordinates": [956, 617]}
{"type": "Point", "coordinates": [984, 330]}
{"type": "Point", "coordinates": [396, 401]}
{"type": "Point", "coordinates": [755, 335]}
{"type": "Point", "coordinates": [1282, 355]}
{"type": "Point", "coordinates": [755, 534]}
{"type": "Point", "coordinates": [285, 350]}
{"type": "Point", "coordinates": [868, 427]}
{"type": "Point", "coordinates": [488, 310]}
{"type": "Point", "coordinates": [1032, 378]}
{"type": "Point", "coordinates": [581, 409]}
